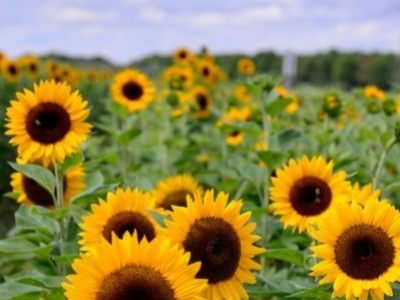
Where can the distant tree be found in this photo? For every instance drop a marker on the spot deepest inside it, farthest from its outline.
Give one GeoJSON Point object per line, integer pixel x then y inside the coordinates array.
{"type": "Point", "coordinates": [382, 70]}
{"type": "Point", "coordinates": [346, 69]}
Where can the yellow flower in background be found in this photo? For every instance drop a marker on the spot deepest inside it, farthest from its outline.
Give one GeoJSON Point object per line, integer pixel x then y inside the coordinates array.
{"type": "Point", "coordinates": [216, 234]}
{"type": "Point", "coordinates": [174, 190]}
{"type": "Point", "coordinates": [235, 138]}
{"type": "Point", "coordinates": [179, 77]}
{"type": "Point", "coordinates": [47, 124]}
{"type": "Point", "coordinates": [31, 193]}
{"type": "Point", "coordinates": [200, 100]}
{"type": "Point", "coordinates": [31, 64]}
{"type": "Point", "coordinates": [128, 268]}
{"type": "Point", "coordinates": [241, 93]}
{"type": "Point", "coordinates": [183, 56]}
{"type": "Point", "coordinates": [207, 71]}
{"type": "Point", "coordinates": [246, 66]}
{"type": "Point", "coordinates": [233, 115]}
{"type": "Point", "coordinates": [295, 103]}
{"type": "Point", "coordinates": [373, 92]}
{"type": "Point", "coordinates": [11, 70]}
{"type": "Point", "coordinates": [359, 249]}
{"type": "Point", "coordinates": [132, 89]}
{"type": "Point", "coordinates": [126, 210]}
{"type": "Point", "coordinates": [363, 194]}
{"type": "Point", "coordinates": [304, 191]}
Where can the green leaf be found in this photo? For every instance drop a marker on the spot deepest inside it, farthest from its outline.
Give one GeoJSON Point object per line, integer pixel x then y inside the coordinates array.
{"type": "Point", "coordinates": [37, 278]}
{"type": "Point", "coordinates": [323, 291]}
{"type": "Point", "coordinates": [272, 159]}
{"type": "Point", "coordinates": [64, 259]}
{"type": "Point", "coordinates": [159, 218]}
{"type": "Point", "coordinates": [34, 218]}
{"type": "Point", "coordinates": [289, 255]}
{"type": "Point", "coordinates": [10, 290]}
{"type": "Point", "coordinates": [276, 106]}
{"type": "Point", "coordinates": [15, 245]}
{"type": "Point", "coordinates": [128, 135]}
{"type": "Point", "coordinates": [71, 161]}
{"type": "Point", "coordinates": [287, 136]}
{"type": "Point", "coordinates": [43, 176]}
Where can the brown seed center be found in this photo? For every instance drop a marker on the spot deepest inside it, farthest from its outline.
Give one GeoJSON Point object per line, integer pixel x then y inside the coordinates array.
{"type": "Point", "coordinates": [310, 196]}
{"type": "Point", "coordinates": [132, 90]}
{"type": "Point", "coordinates": [47, 123]}
{"type": "Point", "coordinates": [135, 282]}
{"type": "Point", "coordinates": [215, 243]}
{"type": "Point", "coordinates": [364, 252]}
{"type": "Point", "coordinates": [129, 221]}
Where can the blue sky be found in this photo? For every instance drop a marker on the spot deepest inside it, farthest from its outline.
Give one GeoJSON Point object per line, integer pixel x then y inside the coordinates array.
{"type": "Point", "coordinates": [125, 30]}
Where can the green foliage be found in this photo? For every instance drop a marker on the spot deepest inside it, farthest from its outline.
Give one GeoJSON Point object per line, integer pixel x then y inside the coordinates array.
{"type": "Point", "coordinates": [140, 149]}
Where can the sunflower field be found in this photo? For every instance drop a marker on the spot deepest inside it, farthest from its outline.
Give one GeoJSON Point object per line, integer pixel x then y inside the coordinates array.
{"type": "Point", "coordinates": [187, 184]}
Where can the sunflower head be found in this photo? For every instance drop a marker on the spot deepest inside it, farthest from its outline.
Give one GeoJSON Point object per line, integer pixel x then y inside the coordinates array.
{"type": "Point", "coordinates": [201, 101]}
{"type": "Point", "coordinates": [246, 66]}
{"type": "Point", "coordinates": [128, 268]}
{"type": "Point", "coordinates": [362, 194]}
{"type": "Point", "coordinates": [31, 64]}
{"type": "Point", "coordinates": [31, 193]}
{"type": "Point", "coordinates": [48, 123]}
{"type": "Point", "coordinates": [126, 210]}
{"type": "Point", "coordinates": [11, 69]}
{"type": "Point", "coordinates": [303, 192]}
{"type": "Point", "coordinates": [174, 190]}
{"type": "Point", "coordinates": [132, 89]}
{"type": "Point", "coordinates": [183, 56]}
{"type": "Point", "coordinates": [219, 236]}
{"type": "Point", "coordinates": [359, 249]}
{"type": "Point", "coordinates": [374, 92]}
{"type": "Point", "coordinates": [207, 71]}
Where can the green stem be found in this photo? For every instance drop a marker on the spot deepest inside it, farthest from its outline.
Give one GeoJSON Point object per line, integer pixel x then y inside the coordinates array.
{"type": "Point", "coordinates": [59, 204]}
{"type": "Point", "coordinates": [265, 193]}
{"type": "Point", "coordinates": [381, 162]}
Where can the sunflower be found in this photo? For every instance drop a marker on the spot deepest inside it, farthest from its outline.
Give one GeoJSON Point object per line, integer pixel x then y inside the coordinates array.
{"type": "Point", "coordinates": [183, 56]}
{"type": "Point", "coordinates": [132, 269]}
{"type": "Point", "coordinates": [373, 92]}
{"type": "Point", "coordinates": [360, 250]}
{"type": "Point", "coordinates": [31, 64]}
{"type": "Point", "coordinates": [133, 89]}
{"type": "Point", "coordinates": [11, 70]}
{"type": "Point", "coordinates": [126, 210]}
{"type": "Point", "coordinates": [246, 66]}
{"type": "Point", "coordinates": [220, 237]}
{"type": "Point", "coordinates": [208, 71]}
{"type": "Point", "coordinates": [233, 115]}
{"type": "Point", "coordinates": [201, 101]}
{"type": "Point", "coordinates": [304, 192]}
{"type": "Point", "coordinates": [362, 194]}
{"type": "Point", "coordinates": [235, 138]}
{"type": "Point", "coordinates": [31, 193]}
{"type": "Point", "coordinates": [48, 123]}
{"type": "Point", "coordinates": [174, 190]}
{"type": "Point", "coordinates": [241, 92]}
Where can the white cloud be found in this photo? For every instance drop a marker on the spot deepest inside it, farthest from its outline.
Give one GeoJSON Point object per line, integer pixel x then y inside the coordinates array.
{"type": "Point", "coordinates": [367, 29]}
{"type": "Point", "coordinates": [239, 18]}
{"type": "Point", "coordinates": [74, 14]}
{"type": "Point", "coordinates": [207, 20]}
{"type": "Point", "coordinates": [151, 14]}
{"type": "Point", "coordinates": [267, 13]}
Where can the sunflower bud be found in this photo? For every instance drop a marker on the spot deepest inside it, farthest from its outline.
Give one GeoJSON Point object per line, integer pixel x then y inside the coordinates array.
{"type": "Point", "coordinates": [373, 106]}
{"type": "Point", "coordinates": [389, 106]}
{"type": "Point", "coordinates": [332, 105]}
